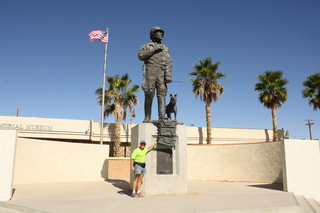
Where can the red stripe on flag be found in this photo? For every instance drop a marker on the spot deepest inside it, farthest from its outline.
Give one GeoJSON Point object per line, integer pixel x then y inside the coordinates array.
{"type": "Point", "coordinates": [100, 35]}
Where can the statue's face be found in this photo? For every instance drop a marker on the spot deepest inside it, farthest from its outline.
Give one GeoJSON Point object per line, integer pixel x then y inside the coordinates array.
{"type": "Point", "coordinates": [158, 35]}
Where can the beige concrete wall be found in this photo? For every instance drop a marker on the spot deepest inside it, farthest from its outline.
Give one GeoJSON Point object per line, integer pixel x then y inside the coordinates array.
{"type": "Point", "coordinates": [46, 127]}
{"type": "Point", "coordinates": [90, 131]}
{"type": "Point", "coordinates": [51, 161]}
{"type": "Point", "coordinates": [244, 162]}
{"type": "Point", "coordinates": [197, 135]}
{"type": "Point", "coordinates": [40, 161]}
{"type": "Point", "coordinates": [301, 169]}
{"type": "Point", "coordinates": [8, 140]}
{"type": "Point", "coordinates": [62, 128]}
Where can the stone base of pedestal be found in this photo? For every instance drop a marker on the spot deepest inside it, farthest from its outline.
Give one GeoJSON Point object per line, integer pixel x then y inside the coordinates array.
{"type": "Point", "coordinates": [166, 166]}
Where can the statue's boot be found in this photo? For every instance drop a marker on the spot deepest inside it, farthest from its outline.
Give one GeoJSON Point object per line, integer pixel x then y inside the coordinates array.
{"type": "Point", "coordinates": [162, 108]}
{"type": "Point", "coordinates": [147, 110]}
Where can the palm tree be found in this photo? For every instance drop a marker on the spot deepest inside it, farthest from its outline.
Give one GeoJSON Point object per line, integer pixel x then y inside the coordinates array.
{"type": "Point", "coordinates": [131, 100]}
{"type": "Point", "coordinates": [312, 90]}
{"type": "Point", "coordinates": [206, 86]}
{"type": "Point", "coordinates": [272, 94]}
{"type": "Point", "coordinates": [118, 97]}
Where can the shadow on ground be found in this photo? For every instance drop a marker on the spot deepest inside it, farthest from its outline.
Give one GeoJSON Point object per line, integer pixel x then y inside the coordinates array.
{"type": "Point", "coordinates": [123, 185]}
{"type": "Point", "coordinates": [273, 186]}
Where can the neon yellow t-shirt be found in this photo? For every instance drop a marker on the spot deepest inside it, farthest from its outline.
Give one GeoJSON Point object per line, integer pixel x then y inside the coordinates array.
{"type": "Point", "coordinates": [139, 155]}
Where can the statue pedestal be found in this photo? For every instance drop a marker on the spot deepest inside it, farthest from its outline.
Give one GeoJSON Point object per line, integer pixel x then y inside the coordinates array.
{"type": "Point", "coordinates": [166, 166]}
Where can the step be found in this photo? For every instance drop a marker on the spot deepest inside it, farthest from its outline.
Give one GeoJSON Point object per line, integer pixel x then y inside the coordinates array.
{"type": "Point", "coordinates": [305, 206]}
{"type": "Point", "coordinates": [6, 207]}
{"type": "Point", "coordinates": [6, 210]}
{"type": "Point", "coordinates": [314, 204]}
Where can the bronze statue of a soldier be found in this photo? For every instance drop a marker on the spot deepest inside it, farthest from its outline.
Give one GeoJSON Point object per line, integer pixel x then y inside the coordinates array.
{"type": "Point", "coordinates": [157, 71]}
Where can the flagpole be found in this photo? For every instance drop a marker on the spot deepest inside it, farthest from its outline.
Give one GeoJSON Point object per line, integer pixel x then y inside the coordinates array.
{"type": "Point", "coordinates": [103, 89]}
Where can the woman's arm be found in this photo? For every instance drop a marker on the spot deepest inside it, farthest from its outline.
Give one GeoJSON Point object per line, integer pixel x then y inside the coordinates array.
{"type": "Point", "coordinates": [153, 146]}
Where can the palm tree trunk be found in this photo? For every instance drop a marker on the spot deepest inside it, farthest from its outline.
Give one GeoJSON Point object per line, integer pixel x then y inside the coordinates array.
{"type": "Point", "coordinates": [131, 113]}
{"type": "Point", "coordinates": [274, 124]}
{"type": "Point", "coordinates": [117, 142]}
{"type": "Point", "coordinates": [208, 120]}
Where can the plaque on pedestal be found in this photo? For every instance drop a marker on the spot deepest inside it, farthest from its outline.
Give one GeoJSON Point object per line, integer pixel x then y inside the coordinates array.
{"type": "Point", "coordinates": [164, 161]}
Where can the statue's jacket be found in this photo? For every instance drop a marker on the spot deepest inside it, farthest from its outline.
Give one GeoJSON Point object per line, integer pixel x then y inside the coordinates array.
{"type": "Point", "coordinates": [154, 59]}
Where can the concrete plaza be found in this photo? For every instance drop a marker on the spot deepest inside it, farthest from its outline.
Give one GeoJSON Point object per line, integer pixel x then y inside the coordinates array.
{"type": "Point", "coordinates": [113, 196]}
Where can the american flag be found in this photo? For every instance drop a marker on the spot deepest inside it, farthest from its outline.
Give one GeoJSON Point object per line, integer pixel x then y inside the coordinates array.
{"type": "Point", "coordinates": [98, 34]}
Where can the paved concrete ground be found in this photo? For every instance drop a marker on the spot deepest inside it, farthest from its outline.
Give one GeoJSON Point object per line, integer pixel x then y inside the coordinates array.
{"type": "Point", "coordinates": [112, 196]}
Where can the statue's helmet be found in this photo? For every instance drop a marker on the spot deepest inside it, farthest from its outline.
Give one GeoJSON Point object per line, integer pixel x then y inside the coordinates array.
{"type": "Point", "coordinates": [154, 30]}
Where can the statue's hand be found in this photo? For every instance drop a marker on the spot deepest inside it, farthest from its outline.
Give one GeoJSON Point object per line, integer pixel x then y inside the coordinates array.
{"type": "Point", "coordinates": [158, 48]}
{"type": "Point", "coordinates": [168, 79]}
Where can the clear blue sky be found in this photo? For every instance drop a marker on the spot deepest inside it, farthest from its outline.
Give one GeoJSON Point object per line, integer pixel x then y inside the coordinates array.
{"type": "Point", "coordinates": [50, 69]}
